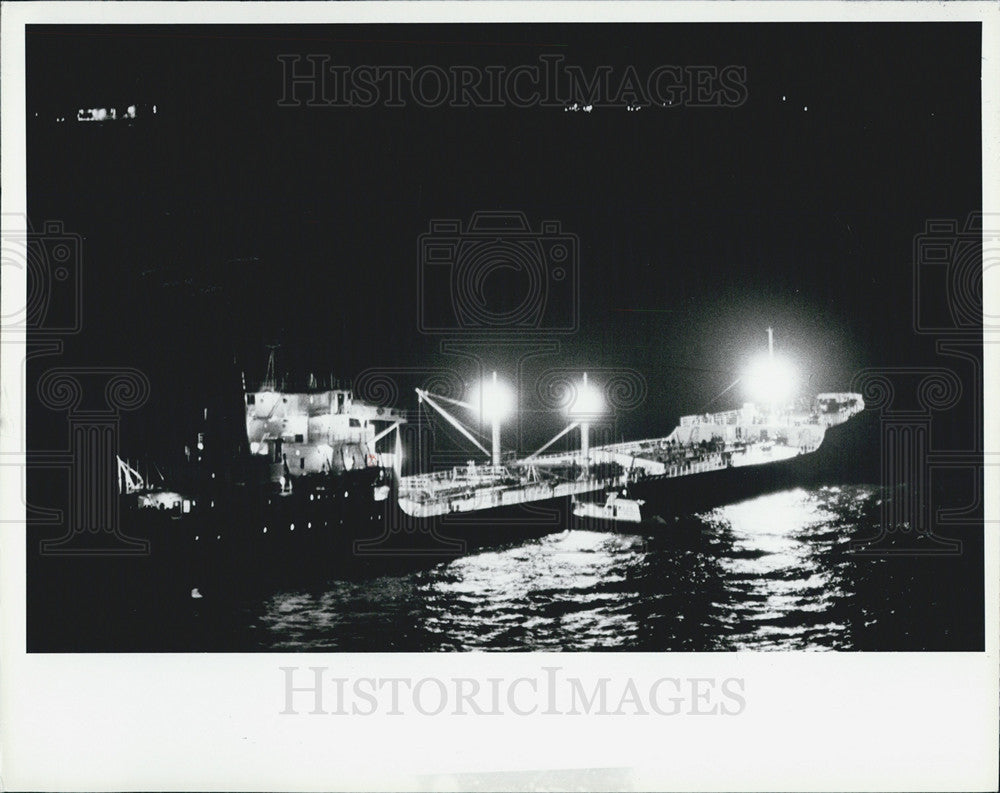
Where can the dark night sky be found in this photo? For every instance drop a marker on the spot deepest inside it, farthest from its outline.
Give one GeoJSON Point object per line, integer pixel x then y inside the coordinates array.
{"type": "Point", "coordinates": [697, 227]}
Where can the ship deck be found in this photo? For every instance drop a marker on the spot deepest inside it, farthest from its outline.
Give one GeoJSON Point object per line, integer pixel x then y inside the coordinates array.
{"type": "Point", "coordinates": [700, 444]}
{"type": "Point", "coordinates": [473, 488]}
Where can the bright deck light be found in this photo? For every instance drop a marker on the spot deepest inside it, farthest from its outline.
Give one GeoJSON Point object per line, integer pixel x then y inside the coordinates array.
{"type": "Point", "coordinates": [493, 400]}
{"type": "Point", "coordinates": [770, 379]}
{"type": "Point", "coordinates": [587, 400]}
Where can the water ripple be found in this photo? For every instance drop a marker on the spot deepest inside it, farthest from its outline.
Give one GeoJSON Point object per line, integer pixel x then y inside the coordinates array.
{"type": "Point", "coordinates": [771, 573]}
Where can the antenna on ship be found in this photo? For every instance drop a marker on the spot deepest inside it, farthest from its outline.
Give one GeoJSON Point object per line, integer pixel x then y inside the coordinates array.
{"type": "Point", "coordinates": [770, 342]}
{"type": "Point", "coordinates": [270, 380]}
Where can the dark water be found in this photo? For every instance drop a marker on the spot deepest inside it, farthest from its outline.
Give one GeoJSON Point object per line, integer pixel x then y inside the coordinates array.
{"type": "Point", "coordinates": [772, 573]}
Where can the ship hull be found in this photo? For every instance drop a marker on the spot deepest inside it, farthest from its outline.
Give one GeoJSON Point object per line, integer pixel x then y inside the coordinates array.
{"type": "Point", "coordinates": [849, 454]}
{"type": "Point", "coordinates": [259, 540]}
{"type": "Point", "coordinates": [242, 536]}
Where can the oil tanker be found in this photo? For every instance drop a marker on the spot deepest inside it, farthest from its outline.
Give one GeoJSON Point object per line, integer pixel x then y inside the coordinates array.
{"type": "Point", "coordinates": [305, 486]}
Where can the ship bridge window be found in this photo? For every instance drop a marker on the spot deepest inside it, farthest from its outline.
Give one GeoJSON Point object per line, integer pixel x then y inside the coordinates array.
{"type": "Point", "coordinates": [251, 399]}
{"type": "Point", "coordinates": [299, 438]}
{"type": "Point", "coordinates": [355, 422]}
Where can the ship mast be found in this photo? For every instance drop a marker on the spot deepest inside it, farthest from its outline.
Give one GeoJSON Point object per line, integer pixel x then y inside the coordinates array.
{"type": "Point", "coordinates": [585, 437]}
{"type": "Point", "coordinates": [772, 404]}
{"type": "Point", "coordinates": [270, 379]}
{"type": "Point", "coordinates": [495, 419]}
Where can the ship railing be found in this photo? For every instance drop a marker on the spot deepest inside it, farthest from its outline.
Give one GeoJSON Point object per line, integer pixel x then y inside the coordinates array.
{"type": "Point", "coordinates": [457, 492]}
{"type": "Point", "coordinates": [636, 447]}
{"type": "Point", "coordinates": [567, 458]}
{"type": "Point", "coordinates": [725, 417]}
{"type": "Point", "coordinates": [462, 472]}
{"type": "Point", "coordinates": [598, 455]}
{"type": "Point", "coordinates": [469, 500]}
{"type": "Point", "coordinates": [457, 476]}
{"type": "Point", "coordinates": [657, 450]}
{"type": "Point", "coordinates": [454, 493]}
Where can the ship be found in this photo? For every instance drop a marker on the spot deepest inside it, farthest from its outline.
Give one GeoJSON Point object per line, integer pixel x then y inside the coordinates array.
{"type": "Point", "coordinates": [706, 460]}
{"type": "Point", "coordinates": [300, 484]}
{"type": "Point", "coordinates": [643, 485]}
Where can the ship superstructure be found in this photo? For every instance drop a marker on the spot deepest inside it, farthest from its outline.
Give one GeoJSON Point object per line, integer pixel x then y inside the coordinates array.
{"type": "Point", "coordinates": [317, 431]}
{"type": "Point", "coordinates": [298, 470]}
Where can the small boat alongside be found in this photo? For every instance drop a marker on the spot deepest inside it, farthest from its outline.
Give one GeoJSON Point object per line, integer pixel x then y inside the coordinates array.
{"type": "Point", "coordinates": [617, 508]}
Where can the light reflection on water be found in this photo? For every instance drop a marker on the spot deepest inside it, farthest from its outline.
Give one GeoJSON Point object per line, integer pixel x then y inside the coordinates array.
{"type": "Point", "coordinates": [565, 591]}
{"type": "Point", "coordinates": [779, 572]}
{"type": "Point", "coordinates": [774, 572]}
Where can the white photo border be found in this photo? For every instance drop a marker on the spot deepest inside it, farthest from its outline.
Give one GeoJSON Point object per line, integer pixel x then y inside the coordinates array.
{"type": "Point", "coordinates": [813, 721]}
